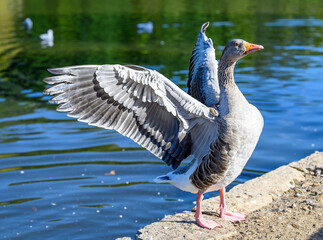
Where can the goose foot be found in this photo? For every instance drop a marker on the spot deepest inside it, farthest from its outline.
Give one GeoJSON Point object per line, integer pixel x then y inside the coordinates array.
{"type": "Point", "coordinates": [232, 217]}
{"type": "Point", "coordinates": [209, 224]}
{"type": "Point", "coordinates": [229, 216]}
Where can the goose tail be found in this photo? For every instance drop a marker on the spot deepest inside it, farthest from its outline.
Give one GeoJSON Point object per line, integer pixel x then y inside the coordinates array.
{"type": "Point", "coordinates": [163, 179]}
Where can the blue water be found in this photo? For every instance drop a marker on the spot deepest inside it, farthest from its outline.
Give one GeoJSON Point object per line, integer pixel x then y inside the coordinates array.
{"type": "Point", "coordinates": [62, 179]}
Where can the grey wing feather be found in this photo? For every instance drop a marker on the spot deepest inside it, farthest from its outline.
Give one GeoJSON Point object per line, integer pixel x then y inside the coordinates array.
{"type": "Point", "coordinates": [138, 103]}
{"type": "Point", "coordinates": [203, 79]}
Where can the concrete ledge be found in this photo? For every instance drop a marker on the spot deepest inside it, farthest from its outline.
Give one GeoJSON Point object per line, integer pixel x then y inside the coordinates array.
{"type": "Point", "coordinates": [245, 198]}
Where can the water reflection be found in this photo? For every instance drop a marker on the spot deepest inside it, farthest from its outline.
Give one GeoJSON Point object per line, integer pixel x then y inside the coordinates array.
{"type": "Point", "coordinates": [18, 201]}
{"type": "Point", "coordinates": [103, 148]}
{"type": "Point", "coordinates": [310, 22]}
{"type": "Point", "coordinates": [118, 185]}
{"type": "Point", "coordinates": [50, 180]}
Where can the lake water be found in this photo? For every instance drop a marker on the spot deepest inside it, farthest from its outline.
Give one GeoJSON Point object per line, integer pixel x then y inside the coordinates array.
{"type": "Point", "coordinates": [62, 179]}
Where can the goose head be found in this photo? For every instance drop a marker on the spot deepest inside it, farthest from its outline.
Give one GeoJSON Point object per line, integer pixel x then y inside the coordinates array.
{"type": "Point", "coordinates": [237, 49]}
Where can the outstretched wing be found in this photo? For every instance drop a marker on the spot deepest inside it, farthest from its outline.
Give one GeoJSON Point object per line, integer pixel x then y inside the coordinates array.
{"type": "Point", "coordinates": [139, 103]}
{"type": "Point", "coordinates": [203, 82]}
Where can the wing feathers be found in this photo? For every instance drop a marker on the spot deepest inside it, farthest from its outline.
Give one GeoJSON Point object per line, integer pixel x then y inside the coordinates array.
{"type": "Point", "coordinates": [203, 71]}
{"type": "Point", "coordinates": [137, 102]}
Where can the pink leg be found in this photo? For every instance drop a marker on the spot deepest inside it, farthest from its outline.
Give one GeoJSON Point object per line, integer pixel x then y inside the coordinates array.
{"type": "Point", "coordinates": [230, 216]}
{"type": "Point", "coordinates": [209, 224]}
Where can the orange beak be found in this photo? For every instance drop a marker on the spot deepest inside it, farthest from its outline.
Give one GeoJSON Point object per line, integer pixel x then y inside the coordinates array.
{"type": "Point", "coordinates": [250, 47]}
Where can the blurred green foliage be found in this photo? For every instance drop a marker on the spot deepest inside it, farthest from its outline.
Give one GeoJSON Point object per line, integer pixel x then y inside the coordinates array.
{"type": "Point", "coordinates": [100, 31]}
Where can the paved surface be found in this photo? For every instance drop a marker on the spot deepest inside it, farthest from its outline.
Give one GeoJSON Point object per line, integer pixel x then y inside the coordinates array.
{"type": "Point", "coordinates": [248, 198]}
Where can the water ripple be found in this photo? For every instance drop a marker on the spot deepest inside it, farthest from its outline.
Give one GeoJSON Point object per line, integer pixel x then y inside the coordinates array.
{"type": "Point", "coordinates": [310, 22]}
{"type": "Point", "coordinates": [19, 201]}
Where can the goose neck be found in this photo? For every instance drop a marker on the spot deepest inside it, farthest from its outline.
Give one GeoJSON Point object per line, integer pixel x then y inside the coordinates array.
{"type": "Point", "coordinates": [225, 74]}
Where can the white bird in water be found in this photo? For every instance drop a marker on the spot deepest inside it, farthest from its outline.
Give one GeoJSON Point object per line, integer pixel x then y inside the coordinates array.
{"type": "Point", "coordinates": [47, 39]}
{"type": "Point", "coordinates": [214, 122]}
{"type": "Point", "coordinates": [48, 36]}
{"type": "Point", "coordinates": [28, 24]}
{"type": "Point", "coordinates": [147, 27]}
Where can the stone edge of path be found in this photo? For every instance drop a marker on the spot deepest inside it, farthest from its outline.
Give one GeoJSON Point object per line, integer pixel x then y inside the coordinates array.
{"type": "Point", "coordinates": [245, 198]}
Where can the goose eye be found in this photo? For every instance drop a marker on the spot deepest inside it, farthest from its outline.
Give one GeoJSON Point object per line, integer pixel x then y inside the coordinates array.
{"type": "Point", "coordinates": [236, 44]}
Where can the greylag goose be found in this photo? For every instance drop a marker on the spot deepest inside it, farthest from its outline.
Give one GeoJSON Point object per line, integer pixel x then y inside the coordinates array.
{"type": "Point", "coordinates": [215, 123]}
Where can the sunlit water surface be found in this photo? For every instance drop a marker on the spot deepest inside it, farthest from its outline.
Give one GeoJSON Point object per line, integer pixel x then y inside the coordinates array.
{"type": "Point", "coordinates": [61, 179]}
